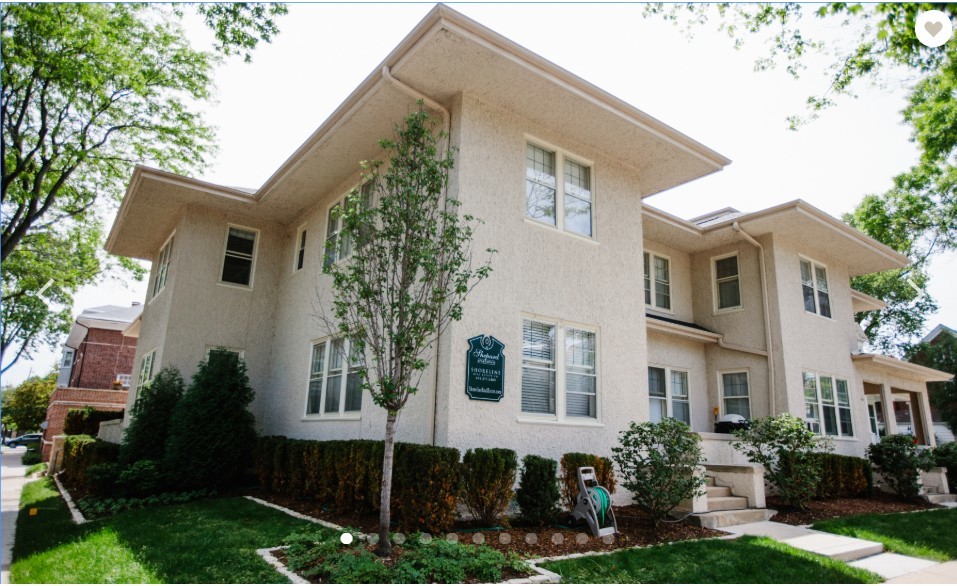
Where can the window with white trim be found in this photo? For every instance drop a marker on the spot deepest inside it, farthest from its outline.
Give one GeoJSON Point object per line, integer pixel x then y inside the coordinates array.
{"type": "Point", "coordinates": [827, 405]}
{"type": "Point", "coordinates": [338, 245]}
{"type": "Point", "coordinates": [146, 370]}
{"type": "Point", "coordinates": [68, 354]}
{"type": "Point", "coordinates": [162, 267]}
{"type": "Point", "coordinates": [657, 281]}
{"type": "Point", "coordinates": [555, 356]}
{"type": "Point", "coordinates": [239, 256]}
{"type": "Point", "coordinates": [566, 204]}
{"type": "Point", "coordinates": [124, 380]}
{"type": "Point", "coordinates": [736, 393]}
{"type": "Point", "coordinates": [335, 378]}
{"type": "Point", "coordinates": [727, 286]}
{"type": "Point", "coordinates": [668, 394]}
{"type": "Point", "coordinates": [300, 258]}
{"type": "Point", "coordinates": [817, 298]}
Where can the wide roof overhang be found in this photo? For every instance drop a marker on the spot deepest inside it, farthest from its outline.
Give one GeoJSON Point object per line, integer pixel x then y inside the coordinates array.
{"type": "Point", "coordinates": [901, 369]}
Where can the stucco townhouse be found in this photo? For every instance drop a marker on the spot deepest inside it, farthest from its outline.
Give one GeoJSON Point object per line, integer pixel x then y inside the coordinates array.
{"type": "Point", "coordinates": [609, 310]}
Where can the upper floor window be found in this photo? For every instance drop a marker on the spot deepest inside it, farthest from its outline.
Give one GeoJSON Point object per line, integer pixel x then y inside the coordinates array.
{"type": "Point", "coordinates": [556, 357]}
{"type": "Point", "coordinates": [300, 258]}
{"type": "Point", "coordinates": [736, 393]}
{"type": "Point", "coordinates": [146, 370]}
{"type": "Point", "coordinates": [566, 204]}
{"type": "Point", "coordinates": [817, 299]}
{"type": "Point", "coordinates": [68, 354]}
{"type": "Point", "coordinates": [657, 281]}
{"type": "Point", "coordinates": [162, 267]}
{"type": "Point", "coordinates": [339, 245]}
{"type": "Point", "coordinates": [668, 394]}
{"type": "Point", "coordinates": [827, 405]}
{"type": "Point", "coordinates": [727, 286]}
{"type": "Point", "coordinates": [238, 259]}
{"type": "Point", "coordinates": [335, 381]}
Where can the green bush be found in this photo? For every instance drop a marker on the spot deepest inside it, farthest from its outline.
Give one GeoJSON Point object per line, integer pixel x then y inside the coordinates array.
{"type": "Point", "coordinates": [571, 462]}
{"type": "Point", "coordinates": [92, 506]}
{"type": "Point", "coordinates": [101, 478]}
{"type": "Point", "coordinates": [537, 493]}
{"type": "Point", "coordinates": [79, 453]}
{"type": "Point", "coordinates": [86, 421]}
{"type": "Point", "coordinates": [844, 476]}
{"type": "Point", "coordinates": [658, 463]}
{"type": "Point", "coordinates": [946, 455]}
{"type": "Point", "coordinates": [426, 481]}
{"type": "Point", "coordinates": [788, 451]}
{"type": "Point", "coordinates": [487, 479]}
{"type": "Point", "coordinates": [30, 457]}
{"type": "Point", "coordinates": [212, 434]}
{"type": "Point", "coordinates": [145, 437]}
{"type": "Point", "coordinates": [899, 460]}
{"type": "Point", "coordinates": [141, 479]}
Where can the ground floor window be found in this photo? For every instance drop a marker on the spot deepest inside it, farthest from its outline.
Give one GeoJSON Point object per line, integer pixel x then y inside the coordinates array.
{"type": "Point", "coordinates": [335, 378]}
{"type": "Point", "coordinates": [555, 356]}
{"type": "Point", "coordinates": [827, 405]}
{"type": "Point", "coordinates": [736, 393]}
{"type": "Point", "coordinates": [668, 394]}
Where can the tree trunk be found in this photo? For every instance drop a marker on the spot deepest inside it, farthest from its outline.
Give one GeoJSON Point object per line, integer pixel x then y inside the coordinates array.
{"type": "Point", "coordinates": [384, 548]}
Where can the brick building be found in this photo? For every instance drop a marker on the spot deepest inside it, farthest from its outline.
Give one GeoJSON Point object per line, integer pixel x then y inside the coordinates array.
{"type": "Point", "coordinates": [98, 353]}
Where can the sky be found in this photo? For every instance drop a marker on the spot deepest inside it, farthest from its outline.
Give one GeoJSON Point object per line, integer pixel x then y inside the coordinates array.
{"type": "Point", "coordinates": [701, 86]}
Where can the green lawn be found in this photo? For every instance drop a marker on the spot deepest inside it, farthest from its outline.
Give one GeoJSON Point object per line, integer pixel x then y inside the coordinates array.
{"type": "Point", "coordinates": [209, 541]}
{"type": "Point", "coordinates": [744, 560]}
{"type": "Point", "coordinates": [35, 468]}
{"type": "Point", "coordinates": [928, 534]}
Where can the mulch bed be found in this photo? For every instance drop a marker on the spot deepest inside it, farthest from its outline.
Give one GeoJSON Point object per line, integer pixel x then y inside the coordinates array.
{"type": "Point", "coordinates": [634, 529]}
{"type": "Point", "coordinates": [844, 507]}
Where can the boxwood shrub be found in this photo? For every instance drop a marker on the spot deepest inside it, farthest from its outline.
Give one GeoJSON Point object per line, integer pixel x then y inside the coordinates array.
{"type": "Point", "coordinates": [488, 475]}
{"type": "Point", "coordinates": [537, 493]}
{"type": "Point", "coordinates": [844, 477]}
{"type": "Point", "coordinates": [79, 453]}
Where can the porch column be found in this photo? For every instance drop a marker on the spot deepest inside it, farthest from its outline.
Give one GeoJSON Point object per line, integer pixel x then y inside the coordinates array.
{"type": "Point", "coordinates": [926, 419]}
{"type": "Point", "coordinates": [887, 404]}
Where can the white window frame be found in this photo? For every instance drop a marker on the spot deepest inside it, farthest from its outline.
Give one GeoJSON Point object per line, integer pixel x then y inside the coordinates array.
{"type": "Point", "coordinates": [125, 380]}
{"type": "Point", "coordinates": [821, 428]}
{"type": "Point", "coordinates": [341, 414]}
{"type": "Point", "coordinates": [69, 355]}
{"type": "Point", "coordinates": [560, 416]}
{"type": "Point", "coordinates": [721, 398]}
{"type": "Point", "coordinates": [141, 380]}
{"type": "Point", "coordinates": [299, 248]}
{"type": "Point", "coordinates": [162, 266]}
{"type": "Point", "coordinates": [827, 279]}
{"type": "Point", "coordinates": [716, 293]}
{"type": "Point", "coordinates": [560, 156]}
{"type": "Point", "coordinates": [651, 273]}
{"type": "Point", "coordinates": [252, 267]}
{"type": "Point", "coordinates": [340, 201]}
{"type": "Point", "coordinates": [669, 396]}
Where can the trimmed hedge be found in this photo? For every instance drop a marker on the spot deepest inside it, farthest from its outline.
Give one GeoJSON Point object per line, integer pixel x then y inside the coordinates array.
{"type": "Point", "coordinates": [537, 493]}
{"type": "Point", "coordinates": [488, 476]}
{"type": "Point", "coordinates": [946, 455]}
{"type": "Point", "coordinates": [82, 451]}
{"type": "Point", "coordinates": [844, 477]}
{"type": "Point", "coordinates": [347, 475]}
{"type": "Point", "coordinates": [571, 462]}
{"type": "Point", "coordinates": [86, 421]}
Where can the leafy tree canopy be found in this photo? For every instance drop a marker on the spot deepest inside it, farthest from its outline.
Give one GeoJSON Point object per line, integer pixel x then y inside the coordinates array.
{"type": "Point", "coordinates": [89, 90]}
{"type": "Point", "coordinates": [25, 408]}
{"type": "Point", "coordinates": [942, 355]}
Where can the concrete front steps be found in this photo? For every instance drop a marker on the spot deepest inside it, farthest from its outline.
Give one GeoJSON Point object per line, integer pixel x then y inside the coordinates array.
{"type": "Point", "coordinates": [940, 499]}
{"type": "Point", "coordinates": [726, 510]}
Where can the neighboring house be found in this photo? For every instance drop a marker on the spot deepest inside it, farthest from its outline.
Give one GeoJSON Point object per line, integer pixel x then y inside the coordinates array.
{"type": "Point", "coordinates": [610, 311]}
{"type": "Point", "coordinates": [96, 366]}
{"type": "Point", "coordinates": [942, 431]}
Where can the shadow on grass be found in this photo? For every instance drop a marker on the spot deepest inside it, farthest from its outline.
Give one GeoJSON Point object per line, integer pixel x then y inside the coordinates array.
{"type": "Point", "coordinates": [927, 534]}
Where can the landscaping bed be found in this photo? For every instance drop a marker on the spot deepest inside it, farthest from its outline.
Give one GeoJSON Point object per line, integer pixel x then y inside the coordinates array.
{"type": "Point", "coordinates": [634, 530]}
{"type": "Point", "coordinates": [820, 510]}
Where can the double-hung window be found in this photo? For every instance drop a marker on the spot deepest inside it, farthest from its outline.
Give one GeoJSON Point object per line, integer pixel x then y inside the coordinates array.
{"type": "Point", "coordinates": [558, 357]}
{"type": "Point", "coordinates": [727, 286]}
{"type": "Point", "coordinates": [827, 405]}
{"type": "Point", "coordinates": [817, 298]}
{"type": "Point", "coordinates": [657, 281]}
{"type": "Point", "coordinates": [162, 267]}
{"type": "Point", "coordinates": [668, 394]}
{"type": "Point", "coordinates": [565, 204]}
{"type": "Point", "coordinates": [146, 373]}
{"type": "Point", "coordinates": [239, 257]}
{"type": "Point", "coordinates": [736, 393]}
{"type": "Point", "coordinates": [338, 244]}
{"type": "Point", "coordinates": [300, 258]}
{"type": "Point", "coordinates": [335, 378]}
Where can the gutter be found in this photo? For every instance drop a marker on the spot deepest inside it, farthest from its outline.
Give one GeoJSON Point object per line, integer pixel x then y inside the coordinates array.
{"type": "Point", "coordinates": [767, 311]}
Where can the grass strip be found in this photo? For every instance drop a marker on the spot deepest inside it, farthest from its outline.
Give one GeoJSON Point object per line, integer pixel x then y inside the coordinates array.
{"type": "Point", "coordinates": [927, 534]}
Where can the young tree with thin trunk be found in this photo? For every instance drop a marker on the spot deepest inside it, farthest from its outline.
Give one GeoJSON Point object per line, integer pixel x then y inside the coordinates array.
{"type": "Point", "coordinates": [408, 274]}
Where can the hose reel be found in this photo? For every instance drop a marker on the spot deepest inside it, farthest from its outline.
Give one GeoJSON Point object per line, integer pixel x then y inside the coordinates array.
{"type": "Point", "coordinates": [594, 504]}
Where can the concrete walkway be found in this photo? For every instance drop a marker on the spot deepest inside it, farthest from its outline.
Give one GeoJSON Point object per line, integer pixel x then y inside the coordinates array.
{"type": "Point", "coordinates": [860, 553]}
{"type": "Point", "coordinates": [11, 484]}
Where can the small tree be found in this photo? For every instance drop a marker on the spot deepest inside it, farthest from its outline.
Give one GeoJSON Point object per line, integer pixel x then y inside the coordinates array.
{"type": "Point", "coordinates": [26, 406]}
{"type": "Point", "coordinates": [152, 413]}
{"type": "Point", "coordinates": [899, 460]}
{"type": "Point", "coordinates": [211, 436]}
{"type": "Point", "coordinates": [658, 464]}
{"type": "Point", "coordinates": [408, 275]}
{"type": "Point", "coordinates": [785, 446]}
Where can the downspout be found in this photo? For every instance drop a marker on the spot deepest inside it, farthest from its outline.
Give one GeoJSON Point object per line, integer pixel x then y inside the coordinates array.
{"type": "Point", "coordinates": [767, 311]}
{"type": "Point", "coordinates": [387, 75]}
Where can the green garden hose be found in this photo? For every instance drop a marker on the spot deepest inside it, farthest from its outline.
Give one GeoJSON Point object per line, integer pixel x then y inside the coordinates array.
{"type": "Point", "coordinates": [601, 500]}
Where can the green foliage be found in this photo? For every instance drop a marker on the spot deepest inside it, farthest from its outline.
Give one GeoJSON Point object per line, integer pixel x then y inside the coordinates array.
{"type": "Point", "coordinates": [212, 434]}
{"type": "Point", "coordinates": [658, 464]}
{"type": "Point", "coordinates": [924, 534]}
{"type": "Point", "coordinates": [30, 457]}
{"type": "Point", "coordinates": [942, 355]}
{"type": "Point", "coordinates": [93, 506]}
{"type": "Point", "coordinates": [427, 485]}
{"type": "Point", "coordinates": [145, 437]}
{"type": "Point", "coordinates": [946, 455]}
{"type": "Point", "coordinates": [571, 462]}
{"type": "Point", "coordinates": [786, 448]}
{"type": "Point", "coordinates": [142, 478]}
{"type": "Point", "coordinates": [899, 460]}
{"type": "Point", "coordinates": [101, 478]}
{"type": "Point", "coordinates": [844, 476]}
{"type": "Point", "coordinates": [80, 453]}
{"type": "Point", "coordinates": [86, 421]}
{"type": "Point", "coordinates": [488, 475]}
{"type": "Point", "coordinates": [25, 408]}
{"type": "Point", "coordinates": [537, 493]}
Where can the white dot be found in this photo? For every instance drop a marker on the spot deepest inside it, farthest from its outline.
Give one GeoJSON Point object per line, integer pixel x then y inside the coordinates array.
{"type": "Point", "coordinates": [346, 538]}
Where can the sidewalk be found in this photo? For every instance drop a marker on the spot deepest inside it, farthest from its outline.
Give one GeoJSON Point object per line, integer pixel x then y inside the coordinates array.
{"type": "Point", "coordinates": [860, 553]}
{"type": "Point", "coordinates": [12, 481]}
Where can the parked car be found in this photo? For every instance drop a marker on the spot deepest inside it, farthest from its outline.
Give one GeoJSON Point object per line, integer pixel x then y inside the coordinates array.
{"type": "Point", "coordinates": [30, 439]}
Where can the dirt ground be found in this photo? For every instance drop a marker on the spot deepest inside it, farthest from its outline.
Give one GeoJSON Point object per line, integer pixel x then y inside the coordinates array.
{"type": "Point", "coordinates": [846, 507]}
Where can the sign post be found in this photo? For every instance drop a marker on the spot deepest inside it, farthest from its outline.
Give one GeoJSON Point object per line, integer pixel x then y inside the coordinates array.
{"type": "Point", "coordinates": [485, 369]}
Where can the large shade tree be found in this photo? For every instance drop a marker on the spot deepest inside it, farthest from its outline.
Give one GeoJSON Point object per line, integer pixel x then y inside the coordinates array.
{"type": "Point", "coordinates": [89, 90]}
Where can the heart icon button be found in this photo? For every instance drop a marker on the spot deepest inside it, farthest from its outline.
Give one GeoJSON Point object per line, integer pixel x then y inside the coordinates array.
{"type": "Point", "coordinates": [933, 27]}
